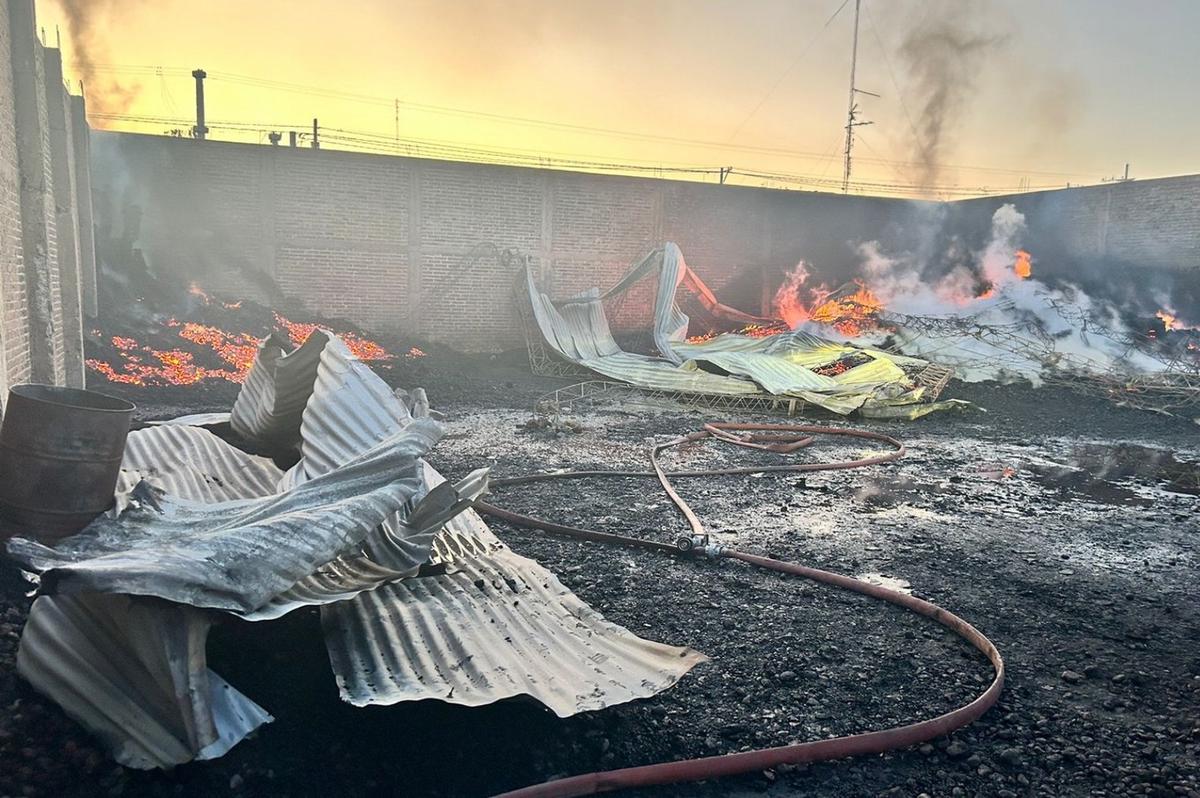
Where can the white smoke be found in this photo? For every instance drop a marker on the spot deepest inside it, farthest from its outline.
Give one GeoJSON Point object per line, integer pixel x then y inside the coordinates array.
{"type": "Point", "coordinates": [990, 323]}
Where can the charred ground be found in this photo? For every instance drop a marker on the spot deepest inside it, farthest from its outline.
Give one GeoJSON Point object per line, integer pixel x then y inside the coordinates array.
{"type": "Point", "coordinates": [1079, 566]}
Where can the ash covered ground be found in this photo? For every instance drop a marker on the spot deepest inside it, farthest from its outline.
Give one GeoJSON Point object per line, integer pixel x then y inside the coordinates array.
{"type": "Point", "coordinates": [1064, 528]}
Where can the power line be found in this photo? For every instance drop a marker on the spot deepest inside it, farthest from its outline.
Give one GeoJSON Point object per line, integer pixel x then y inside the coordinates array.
{"type": "Point", "coordinates": [892, 75]}
{"type": "Point", "coordinates": [392, 102]}
{"type": "Point", "coordinates": [441, 150]}
{"type": "Point", "coordinates": [786, 72]}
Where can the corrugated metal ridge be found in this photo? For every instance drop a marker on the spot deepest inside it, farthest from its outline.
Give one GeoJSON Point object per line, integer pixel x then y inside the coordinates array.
{"type": "Point", "coordinates": [193, 463]}
{"type": "Point", "coordinates": [132, 671]}
{"type": "Point", "coordinates": [273, 395]}
{"type": "Point", "coordinates": [238, 555]}
{"type": "Point", "coordinates": [498, 625]}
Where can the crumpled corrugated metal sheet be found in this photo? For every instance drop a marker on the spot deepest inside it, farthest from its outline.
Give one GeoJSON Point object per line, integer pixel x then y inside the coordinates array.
{"type": "Point", "coordinates": [270, 404]}
{"type": "Point", "coordinates": [132, 671]}
{"type": "Point", "coordinates": [729, 365]}
{"type": "Point", "coordinates": [497, 625]}
{"type": "Point", "coordinates": [237, 555]}
{"type": "Point", "coordinates": [118, 640]}
{"type": "Point", "coordinates": [405, 639]}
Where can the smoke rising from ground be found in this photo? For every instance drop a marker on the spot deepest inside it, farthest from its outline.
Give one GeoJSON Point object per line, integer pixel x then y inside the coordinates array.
{"type": "Point", "coordinates": [943, 57]}
{"type": "Point", "coordinates": [86, 22]}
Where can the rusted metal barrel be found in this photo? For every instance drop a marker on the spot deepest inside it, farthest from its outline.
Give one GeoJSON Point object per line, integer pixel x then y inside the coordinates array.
{"type": "Point", "coordinates": [60, 454]}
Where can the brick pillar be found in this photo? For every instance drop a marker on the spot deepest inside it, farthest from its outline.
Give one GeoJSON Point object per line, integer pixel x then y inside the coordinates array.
{"type": "Point", "coordinates": [82, 147]}
{"type": "Point", "coordinates": [38, 242]}
{"type": "Point", "coordinates": [66, 223]}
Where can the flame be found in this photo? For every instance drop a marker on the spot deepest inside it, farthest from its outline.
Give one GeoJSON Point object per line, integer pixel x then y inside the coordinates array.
{"type": "Point", "coordinates": [750, 331]}
{"type": "Point", "coordinates": [1023, 268]}
{"type": "Point", "coordinates": [850, 314]}
{"type": "Point", "coordinates": [1171, 321]}
{"type": "Point", "coordinates": [414, 352]}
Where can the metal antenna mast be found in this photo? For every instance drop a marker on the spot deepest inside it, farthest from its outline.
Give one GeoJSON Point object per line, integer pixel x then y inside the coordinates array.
{"type": "Point", "coordinates": [852, 113]}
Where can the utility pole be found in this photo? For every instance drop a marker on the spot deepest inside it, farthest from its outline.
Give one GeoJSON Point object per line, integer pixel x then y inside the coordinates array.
{"type": "Point", "coordinates": [201, 129]}
{"type": "Point", "coordinates": [852, 113]}
{"type": "Point", "coordinates": [316, 145]}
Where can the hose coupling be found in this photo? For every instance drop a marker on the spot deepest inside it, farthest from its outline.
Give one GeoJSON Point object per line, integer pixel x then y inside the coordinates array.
{"type": "Point", "coordinates": [689, 543]}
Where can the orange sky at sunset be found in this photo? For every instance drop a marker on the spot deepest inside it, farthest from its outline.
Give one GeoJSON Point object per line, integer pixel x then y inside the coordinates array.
{"type": "Point", "coordinates": [974, 96]}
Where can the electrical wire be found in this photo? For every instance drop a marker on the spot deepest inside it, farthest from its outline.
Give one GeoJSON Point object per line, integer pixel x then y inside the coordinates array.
{"type": "Point", "coordinates": [392, 102]}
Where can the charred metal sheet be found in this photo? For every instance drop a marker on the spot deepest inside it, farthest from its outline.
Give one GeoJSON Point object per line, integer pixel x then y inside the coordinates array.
{"type": "Point", "coordinates": [192, 463]}
{"type": "Point", "coordinates": [269, 405]}
{"type": "Point", "coordinates": [496, 625]}
{"type": "Point", "coordinates": [237, 555]}
{"type": "Point", "coordinates": [401, 640]}
{"type": "Point", "coordinates": [787, 365]}
{"type": "Point", "coordinates": [133, 672]}
{"type": "Point", "coordinates": [118, 637]}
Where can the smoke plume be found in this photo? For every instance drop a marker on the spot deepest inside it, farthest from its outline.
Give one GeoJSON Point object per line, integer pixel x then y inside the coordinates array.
{"type": "Point", "coordinates": [943, 57]}
{"type": "Point", "coordinates": [86, 22]}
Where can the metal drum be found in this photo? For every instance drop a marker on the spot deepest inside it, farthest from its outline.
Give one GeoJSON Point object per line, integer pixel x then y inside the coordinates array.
{"type": "Point", "coordinates": [60, 454]}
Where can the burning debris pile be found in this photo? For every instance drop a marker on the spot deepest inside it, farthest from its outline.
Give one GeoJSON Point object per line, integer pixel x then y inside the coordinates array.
{"type": "Point", "coordinates": [864, 346]}
{"type": "Point", "coordinates": [206, 341]}
{"type": "Point", "coordinates": [995, 320]}
{"type": "Point", "coordinates": [765, 359]}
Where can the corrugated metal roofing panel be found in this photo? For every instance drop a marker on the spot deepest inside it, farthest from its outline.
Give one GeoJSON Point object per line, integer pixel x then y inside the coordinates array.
{"type": "Point", "coordinates": [237, 555]}
{"type": "Point", "coordinates": [360, 512]}
{"type": "Point", "coordinates": [273, 395]}
{"type": "Point", "coordinates": [780, 365]}
{"type": "Point", "coordinates": [496, 626]}
{"type": "Point", "coordinates": [133, 672]}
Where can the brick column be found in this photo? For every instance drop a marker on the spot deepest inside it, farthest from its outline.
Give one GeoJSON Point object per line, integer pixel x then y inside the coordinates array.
{"type": "Point", "coordinates": [82, 146]}
{"type": "Point", "coordinates": [66, 223]}
{"type": "Point", "coordinates": [38, 241]}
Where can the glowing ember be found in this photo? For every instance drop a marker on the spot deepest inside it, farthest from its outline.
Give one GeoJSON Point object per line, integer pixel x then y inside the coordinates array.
{"type": "Point", "coordinates": [175, 368]}
{"type": "Point", "coordinates": [236, 349]}
{"type": "Point", "coordinates": [361, 347]}
{"type": "Point", "coordinates": [850, 315]}
{"type": "Point", "coordinates": [414, 352]}
{"type": "Point", "coordinates": [1023, 267]}
{"type": "Point", "coordinates": [750, 331]}
{"type": "Point", "coordinates": [143, 365]}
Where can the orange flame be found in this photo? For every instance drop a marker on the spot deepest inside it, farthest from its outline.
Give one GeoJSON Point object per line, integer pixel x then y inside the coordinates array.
{"type": "Point", "coordinates": [1024, 265]}
{"type": "Point", "coordinates": [849, 314]}
{"type": "Point", "coordinates": [1171, 321]}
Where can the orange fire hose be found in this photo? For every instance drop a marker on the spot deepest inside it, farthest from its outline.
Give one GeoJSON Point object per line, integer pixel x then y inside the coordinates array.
{"type": "Point", "coordinates": [781, 438]}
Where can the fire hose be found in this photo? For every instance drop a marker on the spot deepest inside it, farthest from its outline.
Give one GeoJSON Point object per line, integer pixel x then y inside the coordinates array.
{"type": "Point", "coordinates": [783, 439]}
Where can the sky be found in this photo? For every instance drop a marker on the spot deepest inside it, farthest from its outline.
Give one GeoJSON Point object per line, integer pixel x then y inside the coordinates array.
{"type": "Point", "coordinates": [975, 96]}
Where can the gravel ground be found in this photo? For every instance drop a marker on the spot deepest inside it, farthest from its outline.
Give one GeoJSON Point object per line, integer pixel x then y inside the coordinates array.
{"type": "Point", "coordinates": [1078, 557]}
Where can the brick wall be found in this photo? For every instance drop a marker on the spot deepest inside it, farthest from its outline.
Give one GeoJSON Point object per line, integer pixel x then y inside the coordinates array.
{"type": "Point", "coordinates": [1146, 223]}
{"type": "Point", "coordinates": [403, 244]}
{"type": "Point", "coordinates": [40, 326]}
{"type": "Point", "coordinates": [393, 244]}
{"type": "Point", "coordinates": [14, 326]}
